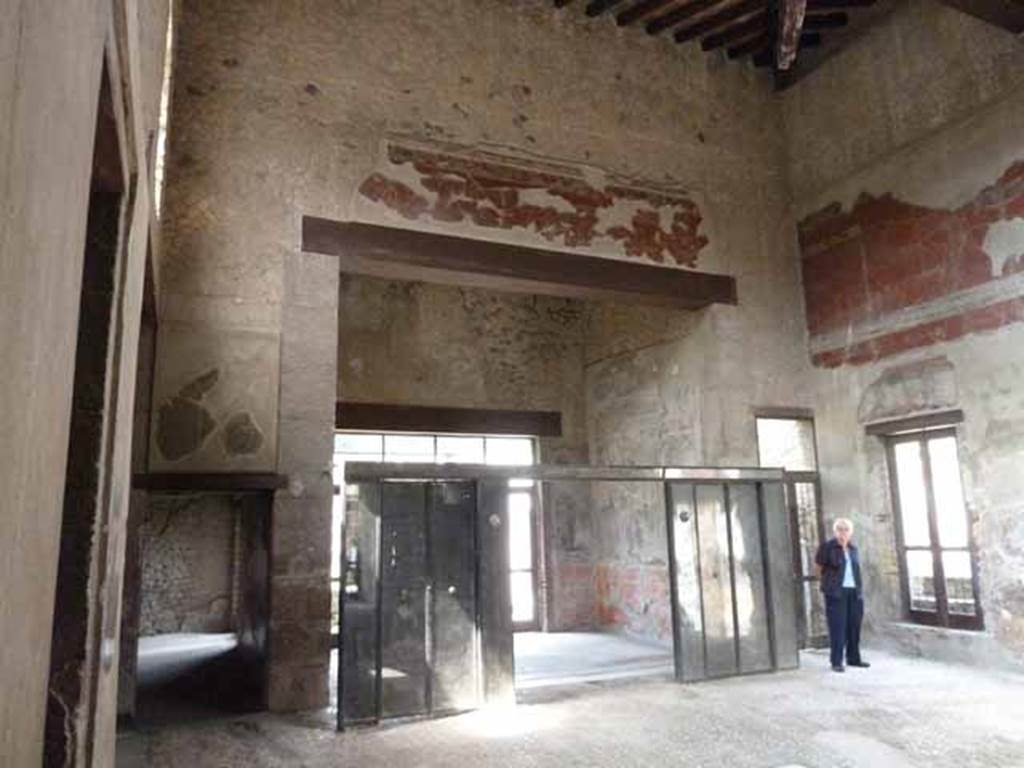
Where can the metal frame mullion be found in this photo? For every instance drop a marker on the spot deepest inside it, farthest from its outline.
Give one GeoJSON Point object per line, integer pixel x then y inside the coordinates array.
{"type": "Point", "coordinates": [732, 574]}
{"type": "Point", "coordinates": [894, 494]}
{"type": "Point", "coordinates": [938, 569]}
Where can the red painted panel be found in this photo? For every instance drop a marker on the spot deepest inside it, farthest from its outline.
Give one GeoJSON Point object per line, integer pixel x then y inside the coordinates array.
{"type": "Point", "coordinates": [663, 227]}
{"type": "Point", "coordinates": [886, 255]}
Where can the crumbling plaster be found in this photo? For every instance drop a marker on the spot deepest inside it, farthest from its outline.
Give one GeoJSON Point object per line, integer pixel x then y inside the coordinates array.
{"type": "Point", "coordinates": [285, 110]}
{"type": "Point", "coordinates": [934, 131]}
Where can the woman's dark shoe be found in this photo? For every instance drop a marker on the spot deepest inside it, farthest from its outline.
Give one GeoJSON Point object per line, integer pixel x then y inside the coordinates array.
{"type": "Point", "coordinates": [838, 668]}
{"type": "Point", "coordinates": [857, 664]}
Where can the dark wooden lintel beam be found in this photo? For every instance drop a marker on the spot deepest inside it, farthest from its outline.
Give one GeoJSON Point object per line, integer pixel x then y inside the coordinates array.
{"type": "Point", "coordinates": [404, 254]}
{"type": "Point", "coordinates": [211, 482]}
{"type": "Point", "coordinates": [639, 11]}
{"type": "Point", "coordinates": [753, 45]}
{"type": "Point", "coordinates": [828, 5]}
{"type": "Point", "coordinates": [1008, 14]}
{"type": "Point", "coordinates": [387, 417]}
{"type": "Point", "coordinates": [562, 3]}
{"type": "Point", "coordinates": [717, 20]}
{"type": "Point", "coordinates": [679, 15]}
{"type": "Point", "coordinates": [740, 31]}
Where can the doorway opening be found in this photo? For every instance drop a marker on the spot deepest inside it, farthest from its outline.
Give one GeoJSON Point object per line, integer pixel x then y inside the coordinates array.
{"type": "Point", "coordinates": [525, 564]}
{"type": "Point", "coordinates": [786, 439]}
{"type": "Point", "coordinates": [426, 621]}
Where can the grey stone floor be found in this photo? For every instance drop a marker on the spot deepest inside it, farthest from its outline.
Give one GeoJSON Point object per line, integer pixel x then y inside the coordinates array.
{"type": "Point", "coordinates": [902, 713]}
{"type": "Point", "coordinates": [559, 658]}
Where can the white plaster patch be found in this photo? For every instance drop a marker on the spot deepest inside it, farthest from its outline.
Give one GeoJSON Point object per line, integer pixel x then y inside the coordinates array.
{"type": "Point", "coordinates": [1004, 241]}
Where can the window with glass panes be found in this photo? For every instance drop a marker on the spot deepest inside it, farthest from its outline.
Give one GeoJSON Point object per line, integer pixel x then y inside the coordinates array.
{"type": "Point", "coordinates": [937, 556]}
{"type": "Point", "coordinates": [450, 449]}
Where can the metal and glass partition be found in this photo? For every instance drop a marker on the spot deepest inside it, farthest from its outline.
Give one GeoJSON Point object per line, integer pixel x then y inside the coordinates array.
{"type": "Point", "coordinates": [426, 617]}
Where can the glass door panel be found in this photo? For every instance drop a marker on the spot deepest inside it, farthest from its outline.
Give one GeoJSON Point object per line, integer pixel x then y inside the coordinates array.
{"type": "Point", "coordinates": [957, 569]}
{"type": "Point", "coordinates": [755, 653]}
{"type": "Point", "coordinates": [921, 575]}
{"type": "Point", "coordinates": [716, 581]}
{"type": "Point", "coordinates": [403, 662]}
{"type": "Point", "coordinates": [452, 638]}
{"type": "Point", "coordinates": [686, 588]}
{"type": "Point", "coordinates": [521, 557]}
{"type": "Point", "coordinates": [950, 513]}
{"type": "Point", "coordinates": [912, 495]}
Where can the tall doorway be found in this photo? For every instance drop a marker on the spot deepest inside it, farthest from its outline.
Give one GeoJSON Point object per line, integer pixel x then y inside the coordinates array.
{"type": "Point", "coordinates": [786, 439]}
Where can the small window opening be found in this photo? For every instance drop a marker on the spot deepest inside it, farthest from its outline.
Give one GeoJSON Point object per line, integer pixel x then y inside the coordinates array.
{"type": "Point", "coordinates": [165, 107]}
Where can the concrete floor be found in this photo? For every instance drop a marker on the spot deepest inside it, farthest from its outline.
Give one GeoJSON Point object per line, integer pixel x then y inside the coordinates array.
{"type": "Point", "coordinates": [902, 713]}
{"type": "Point", "coordinates": [559, 658]}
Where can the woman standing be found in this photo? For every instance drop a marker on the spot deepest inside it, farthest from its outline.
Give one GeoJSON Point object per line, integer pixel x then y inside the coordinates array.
{"type": "Point", "coordinates": [838, 563]}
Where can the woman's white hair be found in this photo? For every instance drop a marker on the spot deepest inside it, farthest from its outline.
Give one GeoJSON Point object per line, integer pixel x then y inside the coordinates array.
{"type": "Point", "coordinates": [842, 522]}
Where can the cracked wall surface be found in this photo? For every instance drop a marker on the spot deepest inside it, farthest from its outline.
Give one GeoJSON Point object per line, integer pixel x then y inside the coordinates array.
{"type": "Point", "coordinates": [914, 298]}
{"type": "Point", "coordinates": [324, 109]}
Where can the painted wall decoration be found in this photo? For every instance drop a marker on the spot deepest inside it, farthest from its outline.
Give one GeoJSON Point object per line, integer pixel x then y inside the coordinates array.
{"type": "Point", "coordinates": [550, 204]}
{"type": "Point", "coordinates": [888, 276]}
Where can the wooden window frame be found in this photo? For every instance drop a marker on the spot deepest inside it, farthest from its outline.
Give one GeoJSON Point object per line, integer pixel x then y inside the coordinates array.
{"type": "Point", "coordinates": [941, 617]}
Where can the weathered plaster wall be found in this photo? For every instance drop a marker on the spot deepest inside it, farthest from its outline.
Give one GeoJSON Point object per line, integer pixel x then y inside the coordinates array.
{"type": "Point", "coordinates": [445, 346]}
{"type": "Point", "coordinates": [290, 109]}
{"type": "Point", "coordinates": [669, 387]}
{"type": "Point", "coordinates": [50, 64]}
{"type": "Point", "coordinates": [538, 127]}
{"type": "Point", "coordinates": [439, 345]}
{"type": "Point", "coordinates": [912, 237]}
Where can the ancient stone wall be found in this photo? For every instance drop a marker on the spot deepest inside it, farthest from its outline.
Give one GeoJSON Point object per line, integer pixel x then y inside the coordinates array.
{"type": "Point", "coordinates": [912, 237]}
{"type": "Point", "coordinates": [188, 565]}
{"type": "Point", "coordinates": [327, 109]}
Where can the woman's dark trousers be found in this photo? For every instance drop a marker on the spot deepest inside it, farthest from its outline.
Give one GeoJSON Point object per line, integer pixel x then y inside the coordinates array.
{"type": "Point", "coordinates": [844, 613]}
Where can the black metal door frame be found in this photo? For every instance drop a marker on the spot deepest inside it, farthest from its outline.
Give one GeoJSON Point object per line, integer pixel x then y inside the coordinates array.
{"type": "Point", "coordinates": [430, 488]}
{"type": "Point", "coordinates": [805, 583]}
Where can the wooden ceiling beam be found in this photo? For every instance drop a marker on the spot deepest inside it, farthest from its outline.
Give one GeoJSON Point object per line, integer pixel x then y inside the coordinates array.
{"type": "Point", "coordinates": [597, 7]}
{"type": "Point", "coordinates": [755, 25]}
{"type": "Point", "coordinates": [814, 6]}
{"type": "Point", "coordinates": [833, 20]}
{"type": "Point", "coordinates": [753, 45]}
{"type": "Point", "coordinates": [713, 22]}
{"type": "Point", "coordinates": [679, 15]}
{"type": "Point", "coordinates": [640, 10]}
{"type": "Point", "coordinates": [1008, 14]}
{"type": "Point", "coordinates": [404, 254]}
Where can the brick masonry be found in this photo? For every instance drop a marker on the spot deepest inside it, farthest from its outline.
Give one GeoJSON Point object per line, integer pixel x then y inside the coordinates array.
{"type": "Point", "coordinates": [888, 256]}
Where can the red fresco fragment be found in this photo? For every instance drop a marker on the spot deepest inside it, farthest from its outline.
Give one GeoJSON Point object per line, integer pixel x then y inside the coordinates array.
{"type": "Point", "coordinates": [491, 195]}
{"type": "Point", "coordinates": [634, 598]}
{"type": "Point", "coordinates": [885, 255]}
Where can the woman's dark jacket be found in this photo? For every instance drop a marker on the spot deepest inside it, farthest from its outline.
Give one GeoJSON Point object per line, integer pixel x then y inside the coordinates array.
{"type": "Point", "coordinates": [830, 558]}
